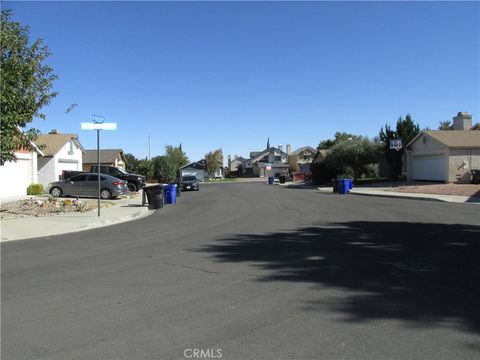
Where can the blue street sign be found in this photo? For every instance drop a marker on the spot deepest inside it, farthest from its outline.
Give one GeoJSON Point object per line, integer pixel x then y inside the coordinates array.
{"type": "Point", "coordinates": [97, 119]}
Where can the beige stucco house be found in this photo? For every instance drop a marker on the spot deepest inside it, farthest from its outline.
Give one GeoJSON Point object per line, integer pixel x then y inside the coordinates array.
{"type": "Point", "coordinates": [445, 155]}
{"type": "Point", "coordinates": [108, 157]}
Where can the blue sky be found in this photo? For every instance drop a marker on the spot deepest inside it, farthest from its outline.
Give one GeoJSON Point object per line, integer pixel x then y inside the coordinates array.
{"type": "Point", "coordinates": [230, 75]}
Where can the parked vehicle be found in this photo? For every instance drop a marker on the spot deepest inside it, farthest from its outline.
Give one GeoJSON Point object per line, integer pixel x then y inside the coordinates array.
{"type": "Point", "coordinates": [189, 182]}
{"type": "Point", "coordinates": [86, 184]}
{"type": "Point", "coordinates": [134, 181]}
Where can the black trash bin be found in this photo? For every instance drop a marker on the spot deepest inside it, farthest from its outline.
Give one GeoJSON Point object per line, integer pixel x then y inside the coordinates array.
{"type": "Point", "coordinates": [282, 179]}
{"type": "Point", "coordinates": [179, 188]}
{"type": "Point", "coordinates": [475, 176]}
{"type": "Point", "coordinates": [154, 196]}
{"type": "Point", "coordinates": [335, 185]}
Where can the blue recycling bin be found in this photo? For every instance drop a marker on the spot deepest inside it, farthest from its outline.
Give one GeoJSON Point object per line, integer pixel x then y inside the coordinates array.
{"type": "Point", "coordinates": [170, 194]}
{"type": "Point", "coordinates": [341, 186]}
{"type": "Point", "coordinates": [270, 180]}
{"type": "Point", "coordinates": [348, 183]}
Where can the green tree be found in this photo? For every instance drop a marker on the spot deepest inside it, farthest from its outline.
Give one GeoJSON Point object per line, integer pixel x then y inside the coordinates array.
{"type": "Point", "coordinates": [213, 161]}
{"type": "Point", "coordinates": [352, 158]}
{"type": "Point", "coordinates": [146, 167]}
{"type": "Point", "coordinates": [132, 163]}
{"type": "Point", "coordinates": [164, 168]}
{"type": "Point", "coordinates": [405, 130]}
{"type": "Point", "coordinates": [445, 125]}
{"type": "Point", "coordinates": [339, 136]}
{"type": "Point", "coordinates": [177, 155]}
{"type": "Point", "coordinates": [26, 85]}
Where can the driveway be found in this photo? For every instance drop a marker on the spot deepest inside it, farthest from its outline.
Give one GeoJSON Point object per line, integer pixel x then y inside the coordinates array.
{"type": "Point", "coordinates": [252, 271]}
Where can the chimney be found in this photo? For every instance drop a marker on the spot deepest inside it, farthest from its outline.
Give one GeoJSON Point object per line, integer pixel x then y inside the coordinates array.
{"type": "Point", "coordinates": [463, 121]}
{"type": "Point", "coordinates": [280, 147]}
{"type": "Point", "coordinates": [289, 149]}
{"type": "Point", "coordinates": [54, 131]}
{"type": "Point", "coordinates": [235, 156]}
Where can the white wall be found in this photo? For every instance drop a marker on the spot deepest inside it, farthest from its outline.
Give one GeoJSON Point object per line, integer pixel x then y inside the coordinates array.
{"type": "Point", "coordinates": [16, 176]}
{"type": "Point", "coordinates": [199, 174]}
{"type": "Point", "coordinates": [46, 170]}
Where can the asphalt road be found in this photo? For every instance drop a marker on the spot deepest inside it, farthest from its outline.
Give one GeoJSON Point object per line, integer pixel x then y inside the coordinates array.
{"type": "Point", "coordinates": [251, 271]}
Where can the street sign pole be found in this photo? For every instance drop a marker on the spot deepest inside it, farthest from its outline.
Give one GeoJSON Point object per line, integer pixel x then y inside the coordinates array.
{"type": "Point", "coordinates": [98, 124]}
{"type": "Point", "coordinates": [98, 168]}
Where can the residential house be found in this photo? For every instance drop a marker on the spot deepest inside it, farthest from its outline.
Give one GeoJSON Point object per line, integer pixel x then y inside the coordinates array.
{"type": "Point", "coordinates": [61, 152]}
{"type": "Point", "coordinates": [16, 176]}
{"type": "Point", "coordinates": [108, 157]}
{"type": "Point", "coordinates": [198, 169]}
{"type": "Point", "coordinates": [445, 155]}
{"type": "Point", "coordinates": [233, 164]}
{"type": "Point", "coordinates": [270, 162]}
{"type": "Point", "coordinates": [304, 156]}
{"type": "Point", "coordinates": [319, 155]}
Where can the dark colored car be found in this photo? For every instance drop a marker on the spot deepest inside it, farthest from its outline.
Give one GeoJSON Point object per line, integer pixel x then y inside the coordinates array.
{"type": "Point", "coordinates": [134, 181]}
{"type": "Point", "coordinates": [190, 183]}
{"type": "Point", "coordinates": [86, 184]}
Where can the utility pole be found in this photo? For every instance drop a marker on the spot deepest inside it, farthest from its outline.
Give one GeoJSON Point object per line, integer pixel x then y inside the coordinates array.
{"type": "Point", "coordinates": [149, 157]}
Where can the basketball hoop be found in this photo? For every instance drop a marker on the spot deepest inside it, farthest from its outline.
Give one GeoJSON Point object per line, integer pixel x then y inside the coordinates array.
{"type": "Point", "coordinates": [395, 144]}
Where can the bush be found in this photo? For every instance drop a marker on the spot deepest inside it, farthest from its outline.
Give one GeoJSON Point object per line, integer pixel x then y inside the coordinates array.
{"type": "Point", "coordinates": [321, 173]}
{"type": "Point", "coordinates": [35, 189]}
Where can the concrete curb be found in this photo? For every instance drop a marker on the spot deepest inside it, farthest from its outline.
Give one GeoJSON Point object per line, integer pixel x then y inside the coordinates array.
{"type": "Point", "coordinates": [107, 222]}
{"type": "Point", "coordinates": [426, 197]}
{"type": "Point", "coordinates": [393, 196]}
{"type": "Point", "coordinates": [97, 223]}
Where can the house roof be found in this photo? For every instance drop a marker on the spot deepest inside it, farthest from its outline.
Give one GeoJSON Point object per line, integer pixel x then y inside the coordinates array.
{"type": "Point", "coordinates": [241, 159]}
{"type": "Point", "coordinates": [452, 138]}
{"type": "Point", "coordinates": [475, 127]}
{"type": "Point", "coordinates": [32, 144]}
{"type": "Point", "coordinates": [302, 149]}
{"type": "Point", "coordinates": [320, 154]}
{"type": "Point", "coordinates": [260, 154]}
{"type": "Point", "coordinates": [195, 165]}
{"type": "Point", "coordinates": [106, 156]}
{"type": "Point", "coordinates": [254, 154]}
{"type": "Point", "coordinates": [52, 143]}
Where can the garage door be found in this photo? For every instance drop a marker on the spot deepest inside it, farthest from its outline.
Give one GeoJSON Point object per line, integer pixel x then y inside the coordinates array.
{"type": "Point", "coordinates": [19, 172]}
{"type": "Point", "coordinates": [429, 168]}
{"type": "Point", "coordinates": [67, 165]}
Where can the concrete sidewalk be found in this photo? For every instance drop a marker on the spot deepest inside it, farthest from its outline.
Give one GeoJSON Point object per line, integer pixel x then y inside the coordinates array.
{"type": "Point", "coordinates": [30, 227]}
{"type": "Point", "coordinates": [377, 191]}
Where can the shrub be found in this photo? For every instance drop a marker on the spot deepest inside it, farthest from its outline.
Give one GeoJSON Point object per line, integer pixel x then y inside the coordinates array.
{"type": "Point", "coordinates": [35, 189]}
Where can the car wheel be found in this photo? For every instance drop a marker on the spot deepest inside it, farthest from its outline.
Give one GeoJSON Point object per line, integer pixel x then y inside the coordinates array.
{"type": "Point", "coordinates": [105, 194]}
{"type": "Point", "coordinates": [131, 187]}
{"type": "Point", "coordinates": [56, 191]}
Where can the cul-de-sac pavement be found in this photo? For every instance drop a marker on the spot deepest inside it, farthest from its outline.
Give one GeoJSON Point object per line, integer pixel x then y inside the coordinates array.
{"type": "Point", "coordinates": [251, 271]}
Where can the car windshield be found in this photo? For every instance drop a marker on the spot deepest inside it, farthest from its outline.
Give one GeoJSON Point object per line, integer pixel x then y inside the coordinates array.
{"type": "Point", "coordinates": [122, 171]}
{"type": "Point", "coordinates": [189, 178]}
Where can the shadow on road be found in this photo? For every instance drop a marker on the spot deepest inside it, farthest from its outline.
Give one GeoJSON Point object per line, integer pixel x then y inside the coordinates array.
{"type": "Point", "coordinates": [424, 273]}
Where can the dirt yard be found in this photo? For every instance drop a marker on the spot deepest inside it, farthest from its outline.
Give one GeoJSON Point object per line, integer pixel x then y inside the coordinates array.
{"type": "Point", "coordinates": [41, 206]}
{"type": "Point", "coordinates": [440, 189]}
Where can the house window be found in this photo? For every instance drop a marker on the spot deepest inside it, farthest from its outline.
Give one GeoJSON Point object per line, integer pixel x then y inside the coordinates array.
{"type": "Point", "coordinates": [306, 157]}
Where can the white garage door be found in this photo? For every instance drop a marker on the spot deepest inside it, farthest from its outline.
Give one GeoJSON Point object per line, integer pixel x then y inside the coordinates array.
{"type": "Point", "coordinates": [20, 172]}
{"type": "Point", "coordinates": [67, 165]}
{"type": "Point", "coordinates": [199, 174]}
{"type": "Point", "coordinates": [429, 168]}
